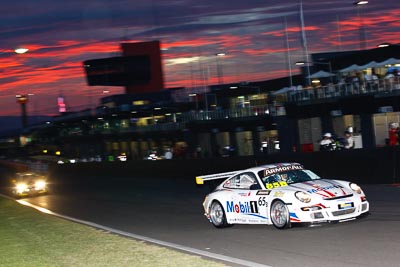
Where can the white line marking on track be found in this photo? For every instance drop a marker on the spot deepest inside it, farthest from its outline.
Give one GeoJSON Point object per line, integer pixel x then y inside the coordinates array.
{"type": "Point", "coordinates": [144, 238]}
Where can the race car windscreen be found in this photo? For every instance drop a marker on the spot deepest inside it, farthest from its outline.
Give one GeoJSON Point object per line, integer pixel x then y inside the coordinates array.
{"type": "Point", "coordinates": [288, 177]}
{"type": "Point", "coordinates": [29, 176]}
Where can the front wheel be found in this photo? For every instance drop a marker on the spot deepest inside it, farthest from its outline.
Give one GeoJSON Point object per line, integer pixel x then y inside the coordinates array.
{"type": "Point", "coordinates": [217, 215]}
{"type": "Point", "coordinates": [280, 216]}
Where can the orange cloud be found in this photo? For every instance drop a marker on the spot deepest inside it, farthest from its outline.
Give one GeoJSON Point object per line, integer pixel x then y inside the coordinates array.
{"type": "Point", "coordinates": [293, 29]}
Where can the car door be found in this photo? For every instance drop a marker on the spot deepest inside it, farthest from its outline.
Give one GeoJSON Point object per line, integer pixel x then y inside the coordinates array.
{"type": "Point", "coordinates": [248, 201]}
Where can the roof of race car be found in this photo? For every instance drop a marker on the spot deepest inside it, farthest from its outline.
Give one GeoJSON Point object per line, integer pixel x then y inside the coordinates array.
{"type": "Point", "coordinates": [27, 174]}
{"type": "Point", "coordinates": [273, 166]}
{"type": "Point", "coordinates": [278, 166]}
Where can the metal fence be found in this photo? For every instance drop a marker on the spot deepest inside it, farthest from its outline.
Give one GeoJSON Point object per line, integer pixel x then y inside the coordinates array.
{"type": "Point", "coordinates": [248, 111]}
{"type": "Point", "coordinates": [391, 85]}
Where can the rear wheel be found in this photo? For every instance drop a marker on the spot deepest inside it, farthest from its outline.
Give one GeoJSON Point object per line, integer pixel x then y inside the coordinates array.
{"type": "Point", "coordinates": [280, 216]}
{"type": "Point", "coordinates": [217, 215]}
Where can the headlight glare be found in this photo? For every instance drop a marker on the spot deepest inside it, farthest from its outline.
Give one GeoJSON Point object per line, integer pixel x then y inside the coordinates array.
{"type": "Point", "coordinates": [355, 188]}
{"type": "Point", "coordinates": [302, 196]}
{"type": "Point", "coordinates": [40, 184]}
{"type": "Point", "coordinates": [21, 187]}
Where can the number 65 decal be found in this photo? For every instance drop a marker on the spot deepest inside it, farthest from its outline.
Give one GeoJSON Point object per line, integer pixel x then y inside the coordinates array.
{"type": "Point", "coordinates": [262, 202]}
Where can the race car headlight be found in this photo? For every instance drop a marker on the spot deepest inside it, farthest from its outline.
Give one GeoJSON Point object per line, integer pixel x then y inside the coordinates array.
{"type": "Point", "coordinates": [302, 196]}
{"type": "Point", "coordinates": [21, 187]}
{"type": "Point", "coordinates": [355, 188]}
{"type": "Point", "coordinates": [40, 184]}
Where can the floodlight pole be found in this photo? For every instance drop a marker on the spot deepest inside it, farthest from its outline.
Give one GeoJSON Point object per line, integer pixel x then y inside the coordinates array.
{"type": "Point", "coordinates": [363, 38]}
{"type": "Point", "coordinates": [219, 67]}
{"type": "Point", "coordinates": [21, 98]}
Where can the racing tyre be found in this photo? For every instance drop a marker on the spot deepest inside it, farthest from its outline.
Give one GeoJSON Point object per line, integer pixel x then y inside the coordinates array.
{"type": "Point", "coordinates": [280, 215]}
{"type": "Point", "coordinates": [15, 195]}
{"type": "Point", "coordinates": [217, 215]}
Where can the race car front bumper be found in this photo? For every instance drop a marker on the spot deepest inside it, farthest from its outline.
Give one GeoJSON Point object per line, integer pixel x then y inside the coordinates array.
{"type": "Point", "coordinates": [330, 211]}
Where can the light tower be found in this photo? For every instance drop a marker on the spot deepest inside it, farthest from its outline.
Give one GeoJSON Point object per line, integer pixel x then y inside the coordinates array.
{"type": "Point", "coordinates": [23, 100]}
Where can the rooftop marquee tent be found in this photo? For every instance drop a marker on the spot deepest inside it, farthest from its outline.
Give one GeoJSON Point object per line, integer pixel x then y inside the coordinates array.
{"type": "Point", "coordinates": [321, 74]}
{"type": "Point", "coordinates": [285, 90]}
{"type": "Point", "coordinates": [351, 68]}
{"type": "Point", "coordinates": [371, 64]}
{"type": "Point", "coordinates": [343, 59]}
{"type": "Point", "coordinates": [390, 61]}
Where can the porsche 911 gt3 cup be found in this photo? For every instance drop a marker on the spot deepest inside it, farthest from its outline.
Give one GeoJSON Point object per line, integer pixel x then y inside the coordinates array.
{"type": "Point", "coordinates": [281, 194]}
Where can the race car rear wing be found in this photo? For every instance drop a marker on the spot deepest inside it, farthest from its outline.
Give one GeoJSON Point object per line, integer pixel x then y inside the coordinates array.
{"type": "Point", "coordinates": [223, 175]}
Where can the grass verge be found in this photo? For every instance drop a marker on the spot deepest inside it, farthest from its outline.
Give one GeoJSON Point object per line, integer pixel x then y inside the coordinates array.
{"type": "Point", "coordinates": [30, 238]}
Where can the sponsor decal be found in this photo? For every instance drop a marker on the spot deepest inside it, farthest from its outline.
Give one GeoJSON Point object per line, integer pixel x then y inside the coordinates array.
{"type": "Point", "coordinates": [323, 188]}
{"type": "Point", "coordinates": [244, 194]}
{"type": "Point", "coordinates": [341, 187]}
{"type": "Point", "coordinates": [242, 207]}
{"type": "Point", "coordinates": [259, 219]}
{"type": "Point", "coordinates": [237, 220]}
{"type": "Point", "coordinates": [253, 221]}
{"type": "Point", "coordinates": [279, 194]}
{"type": "Point", "coordinates": [343, 199]}
{"type": "Point", "coordinates": [263, 192]}
{"type": "Point", "coordinates": [283, 169]}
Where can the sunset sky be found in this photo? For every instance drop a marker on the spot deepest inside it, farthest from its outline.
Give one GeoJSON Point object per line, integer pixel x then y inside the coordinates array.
{"type": "Point", "coordinates": [62, 34]}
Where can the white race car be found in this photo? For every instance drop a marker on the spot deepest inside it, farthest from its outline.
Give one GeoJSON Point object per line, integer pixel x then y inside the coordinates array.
{"type": "Point", "coordinates": [281, 194]}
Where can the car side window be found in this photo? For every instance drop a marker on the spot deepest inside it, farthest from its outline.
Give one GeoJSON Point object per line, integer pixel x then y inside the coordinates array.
{"type": "Point", "coordinates": [232, 182]}
{"type": "Point", "coordinates": [241, 181]}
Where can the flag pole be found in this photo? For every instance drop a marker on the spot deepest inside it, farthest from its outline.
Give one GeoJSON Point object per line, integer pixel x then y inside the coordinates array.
{"type": "Point", "coordinates": [304, 42]}
{"type": "Point", "coordinates": [288, 54]}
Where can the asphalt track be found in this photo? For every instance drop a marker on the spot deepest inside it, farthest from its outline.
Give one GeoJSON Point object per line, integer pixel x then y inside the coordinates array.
{"type": "Point", "coordinates": [172, 212]}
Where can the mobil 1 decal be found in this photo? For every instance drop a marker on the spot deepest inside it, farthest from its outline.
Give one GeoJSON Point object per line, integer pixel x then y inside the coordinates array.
{"type": "Point", "coordinates": [242, 207]}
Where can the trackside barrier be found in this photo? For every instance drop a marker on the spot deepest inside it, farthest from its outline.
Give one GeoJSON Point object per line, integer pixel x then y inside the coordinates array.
{"type": "Point", "coordinates": [377, 166]}
{"type": "Point", "coordinates": [14, 165]}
